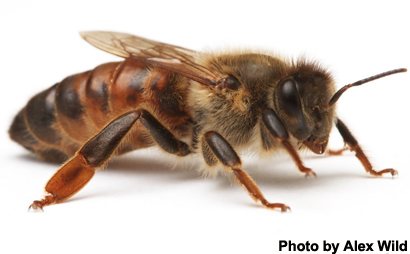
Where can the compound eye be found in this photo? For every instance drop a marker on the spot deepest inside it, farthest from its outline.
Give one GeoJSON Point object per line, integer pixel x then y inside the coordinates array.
{"type": "Point", "coordinates": [290, 103]}
{"type": "Point", "coordinates": [290, 98]}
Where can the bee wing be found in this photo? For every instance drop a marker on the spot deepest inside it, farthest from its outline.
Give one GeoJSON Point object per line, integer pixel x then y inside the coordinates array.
{"type": "Point", "coordinates": [166, 56]}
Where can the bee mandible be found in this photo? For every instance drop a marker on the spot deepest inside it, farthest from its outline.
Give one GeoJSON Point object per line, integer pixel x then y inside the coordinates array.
{"type": "Point", "coordinates": [184, 102]}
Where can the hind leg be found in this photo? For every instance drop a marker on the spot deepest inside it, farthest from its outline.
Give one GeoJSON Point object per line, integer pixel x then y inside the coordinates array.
{"type": "Point", "coordinates": [94, 154]}
{"type": "Point", "coordinates": [79, 170]}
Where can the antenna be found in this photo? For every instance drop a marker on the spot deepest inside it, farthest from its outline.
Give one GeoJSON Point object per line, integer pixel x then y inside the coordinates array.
{"type": "Point", "coordinates": [339, 93]}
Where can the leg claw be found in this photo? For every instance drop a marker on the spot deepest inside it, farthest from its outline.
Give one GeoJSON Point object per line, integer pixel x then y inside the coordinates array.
{"type": "Point", "coordinates": [308, 172]}
{"type": "Point", "coordinates": [39, 204]}
{"type": "Point", "coordinates": [36, 205]}
{"type": "Point", "coordinates": [393, 172]}
{"type": "Point", "coordinates": [282, 207]}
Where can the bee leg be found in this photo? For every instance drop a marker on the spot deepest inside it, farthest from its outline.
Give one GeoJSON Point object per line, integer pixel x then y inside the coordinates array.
{"type": "Point", "coordinates": [79, 170]}
{"type": "Point", "coordinates": [278, 131]}
{"type": "Point", "coordinates": [338, 152]}
{"type": "Point", "coordinates": [162, 136]}
{"type": "Point", "coordinates": [351, 141]}
{"type": "Point", "coordinates": [216, 148]}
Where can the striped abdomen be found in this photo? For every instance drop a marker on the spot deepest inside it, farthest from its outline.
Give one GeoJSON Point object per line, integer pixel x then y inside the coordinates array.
{"type": "Point", "coordinates": [56, 122]}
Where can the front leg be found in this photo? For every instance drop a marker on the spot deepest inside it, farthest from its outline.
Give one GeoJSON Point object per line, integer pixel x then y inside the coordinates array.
{"type": "Point", "coordinates": [216, 149]}
{"type": "Point", "coordinates": [350, 140]}
{"type": "Point", "coordinates": [278, 131]}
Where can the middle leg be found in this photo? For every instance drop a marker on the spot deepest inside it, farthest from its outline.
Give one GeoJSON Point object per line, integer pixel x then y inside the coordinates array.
{"type": "Point", "coordinates": [216, 148]}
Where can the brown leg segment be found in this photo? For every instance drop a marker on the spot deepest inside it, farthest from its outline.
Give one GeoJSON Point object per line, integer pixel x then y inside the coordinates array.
{"type": "Point", "coordinates": [338, 152]}
{"type": "Point", "coordinates": [350, 140]}
{"type": "Point", "coordinates": [66, 182]}
{"type": "Point", "coordinates": [79, 170]}
{"type": "Point", "coordinates": [164, 138]}
{"type": "Point", "coordinates": [228, 157]}
{"type": "Point", "coordinates": [278, 131]}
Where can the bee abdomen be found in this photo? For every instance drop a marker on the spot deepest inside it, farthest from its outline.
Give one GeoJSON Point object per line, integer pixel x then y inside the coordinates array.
{"type": "Point", "coordinates": [58, 121]}
{"type": "Point", "coordinates": [34, 127]}
{"type": "Point", "coordinates": [20, 133]}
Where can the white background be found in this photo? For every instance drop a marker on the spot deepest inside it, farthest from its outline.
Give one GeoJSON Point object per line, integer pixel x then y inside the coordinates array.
{"type": "Point", "coordinates": [138, 205]}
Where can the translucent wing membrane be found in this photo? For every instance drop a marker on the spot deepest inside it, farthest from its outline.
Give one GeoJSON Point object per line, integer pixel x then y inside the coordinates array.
{"type": "Point", "coordinates": [166, 56]}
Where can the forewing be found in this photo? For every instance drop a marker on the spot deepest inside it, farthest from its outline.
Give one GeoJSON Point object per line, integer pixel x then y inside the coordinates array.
{"type": "Point", "coordinates": [170, 57]}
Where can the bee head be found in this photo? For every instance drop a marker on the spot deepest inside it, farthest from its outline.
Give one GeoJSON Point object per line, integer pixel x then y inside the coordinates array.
{"type": "Point", "coordinates": [305, 103]}
{"type": "Point", "coordinates": [298, 100]}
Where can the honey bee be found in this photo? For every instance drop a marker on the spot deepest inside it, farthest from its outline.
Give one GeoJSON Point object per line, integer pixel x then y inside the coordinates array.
{"type": "Point", "coordinates": [184, 102]}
